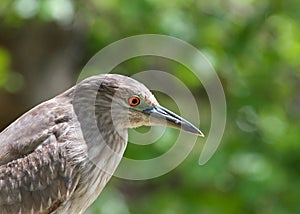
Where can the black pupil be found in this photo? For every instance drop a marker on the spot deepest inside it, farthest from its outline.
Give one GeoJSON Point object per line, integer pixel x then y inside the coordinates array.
{"type": "Point", "coordinates": [134, 101]}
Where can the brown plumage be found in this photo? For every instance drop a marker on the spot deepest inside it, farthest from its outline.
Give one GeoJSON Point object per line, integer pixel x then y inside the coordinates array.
{"type": "Point", "coordinates": [57, 157]}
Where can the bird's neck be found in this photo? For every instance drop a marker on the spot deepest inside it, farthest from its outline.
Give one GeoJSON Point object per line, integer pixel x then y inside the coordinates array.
{"type": "Point", "coordinates": [105, 147]}
{"type": "Point", "coordinates": [105, 139]}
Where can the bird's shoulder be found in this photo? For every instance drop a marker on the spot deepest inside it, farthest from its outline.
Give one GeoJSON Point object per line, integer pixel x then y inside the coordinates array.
{"type": "Point", "coordinates": [34, 128]}
{"type": "Point", "coordinates": [37, 173]}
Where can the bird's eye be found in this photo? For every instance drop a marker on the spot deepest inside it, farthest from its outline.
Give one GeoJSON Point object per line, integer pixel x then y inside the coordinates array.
{"type": "Point", "coordinates": [134, 101]}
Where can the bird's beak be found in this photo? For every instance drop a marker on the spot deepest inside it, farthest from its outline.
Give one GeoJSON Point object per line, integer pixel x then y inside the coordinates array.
{"type": "Point", "coordinates": [162, 116]}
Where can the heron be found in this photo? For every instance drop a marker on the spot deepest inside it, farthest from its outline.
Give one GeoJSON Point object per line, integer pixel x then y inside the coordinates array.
{"type": "Point", "coordinates": [58, 156]}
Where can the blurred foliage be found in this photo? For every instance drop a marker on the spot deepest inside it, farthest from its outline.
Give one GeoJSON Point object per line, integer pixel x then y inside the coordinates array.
{"type": "Point", "coordinates": [254, 46]}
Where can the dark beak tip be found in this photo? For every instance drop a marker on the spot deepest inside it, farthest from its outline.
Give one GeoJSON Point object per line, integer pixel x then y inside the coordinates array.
{"type": "Point", "coordinates": [201, 135]}
{"type": "Point", "coordinates": [192, 129]}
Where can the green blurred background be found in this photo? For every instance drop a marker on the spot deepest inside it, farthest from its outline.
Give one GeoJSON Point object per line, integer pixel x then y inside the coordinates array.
{"type": "Point", "coordinates": [254, 46]}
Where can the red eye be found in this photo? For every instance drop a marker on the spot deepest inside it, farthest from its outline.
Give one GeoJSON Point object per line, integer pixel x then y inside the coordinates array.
{"type": "Point", "coordinates": [134, 101]}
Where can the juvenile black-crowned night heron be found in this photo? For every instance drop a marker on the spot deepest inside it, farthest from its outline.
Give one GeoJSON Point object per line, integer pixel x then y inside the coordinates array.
{"type": "Point", "coordinates": [58, 157]}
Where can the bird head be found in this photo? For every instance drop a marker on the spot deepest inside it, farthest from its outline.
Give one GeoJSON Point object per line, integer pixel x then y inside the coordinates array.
{"type": "Point", "coordinates": [131, 104]}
